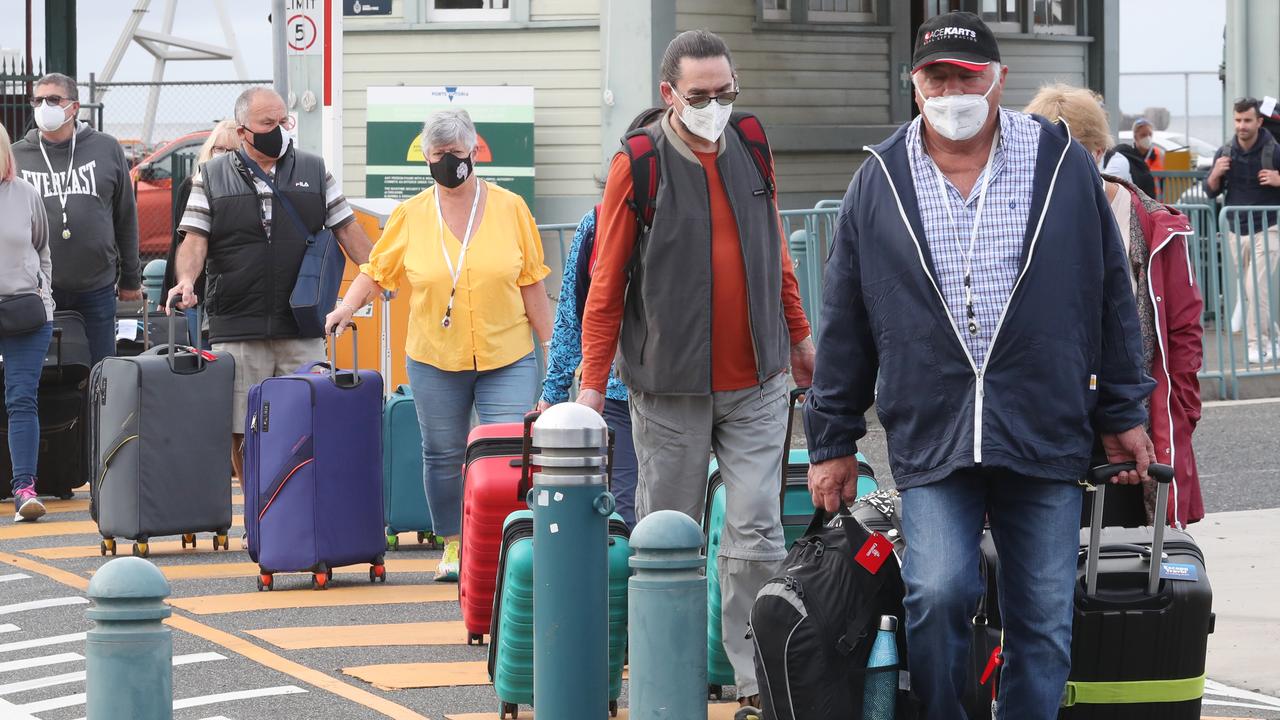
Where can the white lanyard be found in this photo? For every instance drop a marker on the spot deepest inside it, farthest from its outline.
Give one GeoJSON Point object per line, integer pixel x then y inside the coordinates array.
{"type": "Point", "coordinates": [64, 188]}
{"type": "Point", "coordinates": [455, 273]}
{"type": "Point", "coordinates": [987, 172]}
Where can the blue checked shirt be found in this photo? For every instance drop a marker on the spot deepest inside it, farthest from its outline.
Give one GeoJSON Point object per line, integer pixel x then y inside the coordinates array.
{"type": "Point", "coordinates": [997, 251]}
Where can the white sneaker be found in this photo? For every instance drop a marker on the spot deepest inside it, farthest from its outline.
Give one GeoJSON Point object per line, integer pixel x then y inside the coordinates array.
{"type": "Point", "coordinates": [1256, 356]}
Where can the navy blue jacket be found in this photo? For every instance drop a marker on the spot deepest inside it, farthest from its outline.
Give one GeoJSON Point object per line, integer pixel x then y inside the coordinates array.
{"type": "Point", "coordinates": [1240, 182]}
{"type": "Point", "coordinates": [1065, 361]}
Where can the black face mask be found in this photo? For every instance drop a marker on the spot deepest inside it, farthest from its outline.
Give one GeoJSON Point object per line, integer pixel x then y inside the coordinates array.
{"type": "Point", "coordinates": [450, 171]}
{"type": "Point", "coordinates": [271, 143]}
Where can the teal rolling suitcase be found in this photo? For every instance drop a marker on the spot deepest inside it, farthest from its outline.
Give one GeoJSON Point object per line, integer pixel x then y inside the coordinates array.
{"type": "Point", "coordinates": [797, 511]}
{"type": "Point", "coordinates": [406, 499]}
{"type": "Point", "coordinates": [511, 634]}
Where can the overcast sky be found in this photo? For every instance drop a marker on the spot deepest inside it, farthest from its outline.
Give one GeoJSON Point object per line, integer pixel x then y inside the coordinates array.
{"type": "Point", "coordinates": [1155, 35]}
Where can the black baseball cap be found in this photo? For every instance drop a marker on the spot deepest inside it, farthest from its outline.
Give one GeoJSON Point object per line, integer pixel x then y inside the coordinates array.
{"type": "Point", "coordinates": [958, 38]}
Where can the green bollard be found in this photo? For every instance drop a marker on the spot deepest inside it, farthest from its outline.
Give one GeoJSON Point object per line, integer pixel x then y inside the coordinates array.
{"type": "Point", "coordinates": [571, 508]}
{"type": "Point", "coordinates": [129, 653]}
{"type": "Point", "coordinates": [667, 608]}
{"type": "Point", "coordinates": [153, 284]}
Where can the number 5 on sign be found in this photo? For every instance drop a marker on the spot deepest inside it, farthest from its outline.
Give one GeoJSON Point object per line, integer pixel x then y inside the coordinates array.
{"type": "Point", "coordinates": [305, 28]}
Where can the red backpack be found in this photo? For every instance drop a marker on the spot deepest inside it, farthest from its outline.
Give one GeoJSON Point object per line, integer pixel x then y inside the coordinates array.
{"type": "Point", "coordinates": [646, 172]}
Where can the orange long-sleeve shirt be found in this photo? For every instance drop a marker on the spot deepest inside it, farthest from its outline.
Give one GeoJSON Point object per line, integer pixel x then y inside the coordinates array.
{"type": "Point", "coordinates": [732, 355]}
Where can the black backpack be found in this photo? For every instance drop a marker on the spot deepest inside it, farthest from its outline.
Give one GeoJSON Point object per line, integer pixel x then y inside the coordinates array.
{"type": "Point", "coordinates": [1138, 170]}
{"type": "Point", "coordinates": [813, 625]}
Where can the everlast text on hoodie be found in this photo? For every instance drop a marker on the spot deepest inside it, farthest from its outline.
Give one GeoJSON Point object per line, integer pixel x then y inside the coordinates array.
{"type": "Point", "coordinates": [101, 213]}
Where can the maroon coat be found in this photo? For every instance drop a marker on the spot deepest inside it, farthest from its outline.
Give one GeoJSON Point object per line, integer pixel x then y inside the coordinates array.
{"type": "Point", "coordinates": [1178, 307]}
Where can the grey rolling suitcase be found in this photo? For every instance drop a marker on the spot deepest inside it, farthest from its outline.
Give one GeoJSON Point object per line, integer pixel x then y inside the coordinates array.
{"type": "Point", "coordinates": [161, 445]}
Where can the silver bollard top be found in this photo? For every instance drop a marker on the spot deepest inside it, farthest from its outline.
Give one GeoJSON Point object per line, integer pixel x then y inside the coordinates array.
{"type": "Point", "coordinates": [666, 530]}
{"type": "Point", "coordinates": [121, 588]}
{"type": "Point", "coordinates": [154, 269]}
{"type": "Point", "coordinates": [570, 425]}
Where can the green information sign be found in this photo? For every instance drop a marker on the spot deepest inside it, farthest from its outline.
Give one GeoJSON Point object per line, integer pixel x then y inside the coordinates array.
{"type": "Point", "coordinates": [394, 163]}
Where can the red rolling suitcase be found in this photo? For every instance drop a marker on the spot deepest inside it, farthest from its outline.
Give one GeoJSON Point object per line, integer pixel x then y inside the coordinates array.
{"type": "Point", "coordinates": [495, 479]}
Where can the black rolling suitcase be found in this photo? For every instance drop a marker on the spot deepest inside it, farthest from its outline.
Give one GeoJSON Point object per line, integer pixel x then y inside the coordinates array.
{"type": "Point", "coordinates": [62, 464]}
{"type": "Point", "coordinates": [1141, 627]}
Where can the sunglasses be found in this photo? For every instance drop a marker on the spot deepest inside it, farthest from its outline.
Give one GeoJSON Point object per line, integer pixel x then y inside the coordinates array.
{"type": "Point", "coordinates": [700, 101]}
{"type": "Point", "coordinates": [50, 100]}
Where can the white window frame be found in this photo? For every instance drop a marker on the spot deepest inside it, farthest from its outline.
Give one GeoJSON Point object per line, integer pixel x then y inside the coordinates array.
{"type": "Point", "coordinates": [841, 16]}
{"type": "Point", "coordinates": [800, 9]}
{"type": "Point", "coordinates": [1072, 28]}
{"type": "Point", "coordinates": [776, 15]}
{"type": "Point", "coordinates": [479, 15]}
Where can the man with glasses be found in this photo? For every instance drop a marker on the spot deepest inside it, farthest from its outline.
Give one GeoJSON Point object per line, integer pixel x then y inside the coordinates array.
{"type": "Point", "coordinates": [705, 306]}
{"type": "Point", "coordinates": [1245, 170]}
{"type": "Point", "coordinates": [236, 229]}
{"type": "Point", "coordinates": [83, 176]}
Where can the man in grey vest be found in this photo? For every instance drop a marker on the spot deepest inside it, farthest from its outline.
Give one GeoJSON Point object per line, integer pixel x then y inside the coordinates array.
{"type": "Point", "coordinates": [705, 306]}
{"type": "Point", "coordinates": [252, 262]}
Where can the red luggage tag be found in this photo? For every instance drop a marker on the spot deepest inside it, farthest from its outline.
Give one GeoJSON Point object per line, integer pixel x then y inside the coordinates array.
{"type": "Point", "coordinates": [993, 664]}
{"type": "Point", "coordinates": [208, 356]}
{"type": "Point", "coordinates": [874, 552]}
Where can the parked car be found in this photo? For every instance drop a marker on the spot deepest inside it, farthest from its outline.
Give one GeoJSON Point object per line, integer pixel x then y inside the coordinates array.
{"type": "Point", "coordinates": [1201, 151]}
{"type": "Point", "coordinates": [153, 186]}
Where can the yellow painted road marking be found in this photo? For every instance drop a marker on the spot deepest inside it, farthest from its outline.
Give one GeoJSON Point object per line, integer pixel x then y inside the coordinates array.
{"type": "Point", "coordinates": [403, 676]}
{"type": "Point", "coordinates": [422, 633]}
{"type": "Point", "coordinates": [240, 646]}
{"type": "Point", "coordinates": [302, 596]}
{"type": "Point", "coordinates": [715, 711]}
{"type": "Point", "coordinates": [64, 527]}
{"type": "Point", "coordinates": [212, 571]}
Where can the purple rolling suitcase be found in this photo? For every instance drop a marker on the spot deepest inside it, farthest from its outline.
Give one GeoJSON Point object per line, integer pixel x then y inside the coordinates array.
{"type": "Point", "coordinates": [313, 472]}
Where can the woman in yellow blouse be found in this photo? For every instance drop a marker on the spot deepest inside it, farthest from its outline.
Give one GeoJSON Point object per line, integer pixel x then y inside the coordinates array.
{"type": "Point", "coordinates": [472, 256]}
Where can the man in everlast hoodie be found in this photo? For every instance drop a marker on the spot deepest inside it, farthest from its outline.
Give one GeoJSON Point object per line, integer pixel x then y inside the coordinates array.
{"type": "Point", "coordinates": [83, 176]}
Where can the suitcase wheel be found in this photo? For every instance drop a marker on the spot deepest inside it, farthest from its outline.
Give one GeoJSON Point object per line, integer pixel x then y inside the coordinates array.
{"type": "Point", "coordinates": [377, 573]}
{"type": "Point", "coordinates": [108, 545]}
{"type": "Point", "coordinates": [220, 541]}
{"type": "Point", "coordinates": [188, 538]}
{"type": "Point", "coordinates": [66, 495]}
{"type": "Point", "coordinates": [748, 713]}
{"type": "Point", "coordinates": [320, 580]}
{"type": "Point", "coordinates": [264, 581]}
{"type": "Point", "coordinates": [613, 708]}
{"type": "Point", "coordinates": [475, 638]}
{"type": "Point", "coordinates": [393, 541]}
{"type": "Point", "coordinates": [509, 710]}
{"type": "Point", "coordinates": [141, 549]}
{"type": "Point", "coordinates": [715, 692]}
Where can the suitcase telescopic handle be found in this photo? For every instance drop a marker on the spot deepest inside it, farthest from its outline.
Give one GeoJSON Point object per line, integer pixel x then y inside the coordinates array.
{"type": "Point", "coordinates": [173, 348]}
{"type": "Point", "coordinates": [526, 456]}
{"type": "Point", "coordinates": [796, 396]}
{"type": "Point", "coordinates": [336, 377]}
{"type": "Point", "coordinates": [1101, 475]}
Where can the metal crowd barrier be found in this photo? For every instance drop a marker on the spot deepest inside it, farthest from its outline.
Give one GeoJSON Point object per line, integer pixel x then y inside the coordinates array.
{"type": "Point", "coordinates": [809, 234]}
{"type": "Point", "coordinates": [1207, 261]}
{"type": "Point", "coordinates": [1250, 251]}
{"type": "Point", "coordinates": [1181, 187]}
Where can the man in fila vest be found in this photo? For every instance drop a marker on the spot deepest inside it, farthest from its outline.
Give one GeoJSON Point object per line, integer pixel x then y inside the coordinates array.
{"type": "Point", "coordinates": [695, 284]}
{"type": "Point", "coordinates": [978, 293]}
{"type": "Point", "coordinates": [83, 176]}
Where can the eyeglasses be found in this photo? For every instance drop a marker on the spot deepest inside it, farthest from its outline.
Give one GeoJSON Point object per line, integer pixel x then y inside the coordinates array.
{"type": "Point", "coordinates": [287, 123]}
{"type": "Point", "coordinates": [49, 100]}
{"type": "Point", "coordinates": [219, 150]}
{"type": "Point", "coordinates": [698, 102]}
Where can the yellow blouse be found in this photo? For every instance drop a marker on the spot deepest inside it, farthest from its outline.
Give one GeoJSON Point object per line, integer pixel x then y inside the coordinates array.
{"type": "Point", "coordinates": [488, 327]}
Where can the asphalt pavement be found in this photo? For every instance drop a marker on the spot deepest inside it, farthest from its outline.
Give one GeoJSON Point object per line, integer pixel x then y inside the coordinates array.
{"type": "Point", "coordinates": [405, 632]}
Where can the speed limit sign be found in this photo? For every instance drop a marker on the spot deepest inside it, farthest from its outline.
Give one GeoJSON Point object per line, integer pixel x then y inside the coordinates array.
{"type": "Point", "coordinates": [304, 30]}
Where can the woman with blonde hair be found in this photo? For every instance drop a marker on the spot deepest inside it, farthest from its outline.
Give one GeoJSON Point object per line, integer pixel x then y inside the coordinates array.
{"type": "Point", "coordinates": [26, 323]}
{"type": "Point", "coordinates": [1169, 310]}
{"type": "Point", "coordinates": [221, 140]}
{"type": "Point", "coordinates": [473, 259]}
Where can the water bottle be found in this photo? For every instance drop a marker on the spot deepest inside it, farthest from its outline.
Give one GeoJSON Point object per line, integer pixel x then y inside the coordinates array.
{"type": "Point", "coordinates": [881, 688]}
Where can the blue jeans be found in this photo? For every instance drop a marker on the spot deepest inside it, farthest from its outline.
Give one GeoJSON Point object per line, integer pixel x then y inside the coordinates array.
{"type": "Point", "coordinates": [444, 400]}
{"type": "Point", "coordinates": [1035, 524]}
{"type": "Point", "coordinates": [98, 308]}
{"type": "Point", "coordinates": [23, 361]}
{"type": "Point", "coordinates": [622, 481]}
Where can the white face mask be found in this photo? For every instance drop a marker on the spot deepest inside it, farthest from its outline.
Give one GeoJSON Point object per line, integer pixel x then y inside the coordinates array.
{"type": "Point", "coordinates": [50, 117]}
{"type": "Point", "coordinates": [707, 123]}
{"type": "Point", "coordinates": [958, 117]}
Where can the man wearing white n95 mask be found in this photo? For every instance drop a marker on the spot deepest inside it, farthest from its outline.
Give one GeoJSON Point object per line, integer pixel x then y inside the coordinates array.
{"type": "Point", "coordinates": [977, 272]}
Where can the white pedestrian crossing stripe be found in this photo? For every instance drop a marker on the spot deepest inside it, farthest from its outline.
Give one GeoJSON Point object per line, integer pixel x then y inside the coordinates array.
{"type": "Point", "coordinates": [1255, 700]}
{"type": "Point", "coordinates": [14, 576]}
{"type": "Point", "coordinates": [42, 604]}
{"type": "Point", "coordinates": [68, 678]}
{"type": "Point", "coordinates": [41, 642]}
{"type": "Point", "coordinates": [39, 662]}
{"type": "Point", "coordinates": [7, 628]}
{"type": "Point", "coordinates": [199, 701]}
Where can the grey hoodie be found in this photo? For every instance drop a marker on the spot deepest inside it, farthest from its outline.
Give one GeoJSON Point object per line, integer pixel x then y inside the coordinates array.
{"type": "Point", "coordinates": [24, 243]}
{"type": "Point", "coordinates": [101, 213]}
